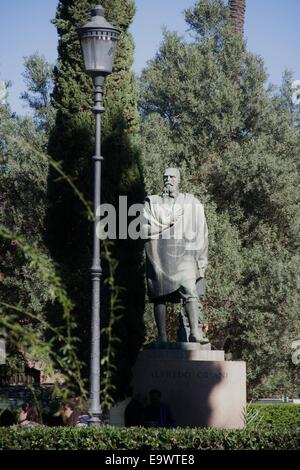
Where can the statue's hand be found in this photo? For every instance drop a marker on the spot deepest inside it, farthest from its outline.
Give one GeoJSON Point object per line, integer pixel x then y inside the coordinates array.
{"type": "Point", "coordinates": [177, 212]}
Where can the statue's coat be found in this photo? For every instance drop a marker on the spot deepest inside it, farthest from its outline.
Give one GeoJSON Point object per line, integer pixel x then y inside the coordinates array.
{"type": "Point", "coordinates": [176, 244]}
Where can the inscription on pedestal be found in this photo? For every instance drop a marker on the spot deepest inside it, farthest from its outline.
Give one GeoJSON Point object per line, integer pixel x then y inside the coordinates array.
{"type": "Point", "coordinates": [188, 375]}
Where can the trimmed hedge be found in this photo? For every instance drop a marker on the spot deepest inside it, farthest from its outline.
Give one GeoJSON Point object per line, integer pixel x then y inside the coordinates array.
{"type": "Point", "coordinates": [112, 438]}
{"type": "Point", "coordinates": [273, 427]}
{"type": "Point", "coordinates": [279, 416]}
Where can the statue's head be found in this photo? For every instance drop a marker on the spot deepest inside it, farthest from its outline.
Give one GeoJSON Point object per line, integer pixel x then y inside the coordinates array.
{"type": "Point", "coordinates": [171, 181]}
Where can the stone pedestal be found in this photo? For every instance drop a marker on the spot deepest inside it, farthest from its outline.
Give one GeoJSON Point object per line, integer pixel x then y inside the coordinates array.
{"type": "Point", "coordinates": [200, 387]}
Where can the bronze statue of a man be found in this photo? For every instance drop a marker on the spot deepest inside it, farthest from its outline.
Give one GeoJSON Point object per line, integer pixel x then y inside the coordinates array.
{"type": "Point", "coordinates": [176, 246]}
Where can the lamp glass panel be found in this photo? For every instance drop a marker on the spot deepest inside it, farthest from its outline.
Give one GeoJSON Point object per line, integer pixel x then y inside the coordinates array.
{"type": "Point", "coordinates": [87, 53]}
{"type": "Point", "coordinates": [98, 53]}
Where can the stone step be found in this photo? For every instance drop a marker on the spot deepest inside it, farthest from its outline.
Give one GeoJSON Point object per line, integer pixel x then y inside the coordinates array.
{"type": "Point", "coordinates": [189, 354]}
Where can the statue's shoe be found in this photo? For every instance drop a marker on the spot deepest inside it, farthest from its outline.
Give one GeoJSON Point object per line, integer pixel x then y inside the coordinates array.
{"type": "Point", "coordinates": [161, 340]}
{"type": "Point", "coordinates": [198, 339]}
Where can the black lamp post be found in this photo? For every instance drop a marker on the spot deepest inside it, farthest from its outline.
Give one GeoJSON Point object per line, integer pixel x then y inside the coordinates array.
{"type": "Point", "coordinates": [98, 41]}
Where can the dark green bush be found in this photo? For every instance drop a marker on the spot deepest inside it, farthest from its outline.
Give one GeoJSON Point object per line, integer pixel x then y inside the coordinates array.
{"type": "Point", "coordinates": [273, 427]}
{"type": "Point", "coordinates": [280, 416]}
{"type": "Point", "coordinates": [7, 417]}
{"type": "Point", "coordinates": [112, 438]}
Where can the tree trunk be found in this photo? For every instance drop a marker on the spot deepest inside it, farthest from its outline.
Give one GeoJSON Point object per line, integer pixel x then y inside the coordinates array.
{"type": "Point", "coordinates": [237, 14]}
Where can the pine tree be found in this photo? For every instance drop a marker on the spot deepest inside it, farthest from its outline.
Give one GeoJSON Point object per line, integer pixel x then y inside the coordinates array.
{"type": "Point", "coordinates": [71, 143]}
{"type": "Point", "coordinates": [237, 147]}
{"type": "Point", "coordinates": [38, 77]}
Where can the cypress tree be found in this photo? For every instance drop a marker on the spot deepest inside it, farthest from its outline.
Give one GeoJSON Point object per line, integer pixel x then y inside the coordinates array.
{"type": "Point", "coordinates": [123, 176]}
{"type": "Point", "coordinates": [71, 143]}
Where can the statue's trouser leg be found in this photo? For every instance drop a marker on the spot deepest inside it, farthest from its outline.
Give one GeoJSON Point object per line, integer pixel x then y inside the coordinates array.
{"type": "Point", "coordinates": [160, 320]}
{"type": "Point", "coordinates": [194, 312]}
{"type": "Point", "coordinates": [196, 333]}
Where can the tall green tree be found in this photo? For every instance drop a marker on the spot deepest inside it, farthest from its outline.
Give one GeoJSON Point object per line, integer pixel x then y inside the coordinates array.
{"type": "Point", "coordinates": [237, 146]}
{"type": "Point", "coordinates": [71, 143]}
{"type": "Point", "coordinates": [23, 178]}
{"type": "Point", "coordinates": [38, 77]}
{"type": "Point", "coordinates": [23, 191]}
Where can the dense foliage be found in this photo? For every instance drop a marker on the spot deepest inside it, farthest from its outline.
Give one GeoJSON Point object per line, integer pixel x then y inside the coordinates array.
{"type": "Point", "coordinates": [109, 438]}
{"type": "Point", "coordinates": [23, 178]}
{"type": "Point", "coordinates": [29, 283]}
{"type": "Point", "coordinates": [38, 77]}
{"type": "Point", "coordinates": [206, 110]}
{"type": "Point", "coordinates": [277, 416]}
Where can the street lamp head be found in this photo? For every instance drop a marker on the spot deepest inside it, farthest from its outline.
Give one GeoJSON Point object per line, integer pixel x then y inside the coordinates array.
{"type": "Point", "coordinates": [98, 40]}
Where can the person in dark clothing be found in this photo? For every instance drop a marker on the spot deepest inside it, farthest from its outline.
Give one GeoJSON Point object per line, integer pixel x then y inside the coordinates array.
{"type": "Point", "coordinates": [7, 417]}
{"type": "Point", "coordinates": [157, 413]}
{"type": "Point", "coordinates": [134, 411]}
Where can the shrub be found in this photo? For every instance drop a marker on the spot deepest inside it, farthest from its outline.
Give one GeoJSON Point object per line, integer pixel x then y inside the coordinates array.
{"type": "Point", "coordinates": [112, 438]}
{"type": "Point", "coordinates": [281, 416]}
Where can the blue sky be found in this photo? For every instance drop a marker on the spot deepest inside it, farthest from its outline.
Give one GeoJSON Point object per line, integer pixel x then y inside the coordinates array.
{"type": "Point", "coordinates": [272, 31]}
